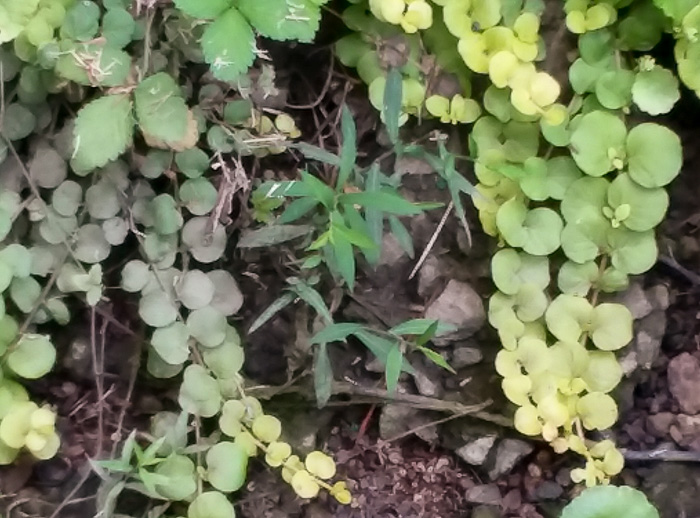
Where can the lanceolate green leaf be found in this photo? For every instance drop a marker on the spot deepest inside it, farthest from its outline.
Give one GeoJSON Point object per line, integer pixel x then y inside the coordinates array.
{"type": "Point", "coordinates": [323, 375]}
{"type": "Point", "coordinates": [384, 201]}
{"type": "Point", "coordinates": [348, 152]}
{"type": "Point", "coordinates": [392, 105]}
{"type": "Point", "coordinates": [278, 305]}
{"type": "Point", "coordinates": [394, 362]}
{"type": "Point", "coordinates": [312, 298]}
{"type": "Point", "coordinates": [336, 332]}
{"type": "Point", "coordinates": [103, 131]}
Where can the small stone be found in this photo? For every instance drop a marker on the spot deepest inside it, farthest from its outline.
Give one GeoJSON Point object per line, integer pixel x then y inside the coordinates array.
{"type": "Point", "coordinates": [466, 356]}
{"type": "Point", "coordinates": [659, 297]}
{"type": "Point", "coordinates": [688, 431]}
{"type": "Point", "coordinates": [636, 301]}
{"type": "Point", "coordinates": [426, 384]}
{"type": "Point", "coordinates": [373, 364]}
{"type": "Point", "coordinates": [398, 419]}
{"type": "Point", "coordinates": [429, 276]}
{"type": "Point", "coordinates": [683, 382]}
{"type": "Point", "coordinates": [475, 452]}
{"type": "Point", "coordinates": [483, 494]}
{"type": "Point", "coordinates": [486, 511]}
{"type": "Point", "coordinates": [392, 253]}
{"type": "Point", "coordinates": [460, 305]}
{"type": "Point", "coordinates": [563, 477]}
{"type": "Point", "coordinates": [548, 490]}
{"type": "Point", "coordinates": [649, 335]}
{"type": "Point", "coordinates": [659, 424]}
{"type": "Point", "coordinates": [508, 454]}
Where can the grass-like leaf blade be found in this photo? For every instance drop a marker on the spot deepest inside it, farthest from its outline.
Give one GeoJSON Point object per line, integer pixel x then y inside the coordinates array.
{"type": "Point", "coordinates": [323, 375]}
{"type": "Point", "coordinates": [394, 361]}
{"type": "Point", "coordinates": [348, 152]}
{"type": "Point", "coordinates": [278, 305]}
{"type": "Point", "coordinates": [393, 92]}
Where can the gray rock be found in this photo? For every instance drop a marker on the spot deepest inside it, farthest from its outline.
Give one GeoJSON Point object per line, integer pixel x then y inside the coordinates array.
{"type": "Point", "coordinates": [647, 342]}
{"type": "Point", "coordinates": [486, 511]}
{"type": "Point", "coordinates": [465, 356]}
{"type": "Point", "coordinates": [397, 419]}
{"type": "Point", "coordinates": [392, 253]}
{"type": "Point", "coordinates": [636, 301]}
{"type": "Point", "coordinates": [460, 305]}
{"type": "Point", "coordinates": [659, 297]}
{"type": "Point", "coordinates": [476, 452]}
{"type": "Point", "coordinates": [374, 365]}
{"type": "Point", "coordinates": [674, 488]}
{"type": "Point", "coordinates": [427, 384]}
{"type": "Point", "coordinates": [483, 494]}
{"type": "Point", "coordinates": [683, 382]}
{"type": "Point", "coordinates": [548, 490]}
{"type": "Point", "coordinates": [429, 276]}
{"type": "Point", "coordinates": [508, 453]}
{"type": "Point", "coordinates": [659, 424]}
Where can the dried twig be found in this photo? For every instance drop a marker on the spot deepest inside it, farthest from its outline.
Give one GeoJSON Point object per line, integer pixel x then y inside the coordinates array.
{"type": "Point", "coordinates": [661, 454]}
{"type": "Point", "coordinates": [432, 241]}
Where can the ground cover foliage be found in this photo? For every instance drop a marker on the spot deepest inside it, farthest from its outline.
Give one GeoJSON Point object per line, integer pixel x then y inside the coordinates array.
{"type": "Point", "coordinates": [129, 129]}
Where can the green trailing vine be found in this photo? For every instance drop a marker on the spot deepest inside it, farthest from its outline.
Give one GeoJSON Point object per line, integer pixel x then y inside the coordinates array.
{"type": "Point", "coordinates": [572, 192]}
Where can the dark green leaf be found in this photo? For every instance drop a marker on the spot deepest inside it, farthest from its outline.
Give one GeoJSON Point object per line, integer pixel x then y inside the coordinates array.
{"type": "Point", "coordinates": [436, 358]}
{"type": "Point", "coordinates": [374, 219]}
{"type": "Point", "coordinates": [402, 235]}
{"type": "Point", "coordinates": [394, 361]}
{"type": "Point", "coordinates": [348, 152]}
{"type": "Point", "coordinates": [278, 305]}
{"type": "Point", "coordinates": [323, 375]}
{"type": "Point", "coordinates": [384, 201]}
{"type": "Point", "coordinates": [336, 332]}
{"type": "Point", "coordinates": [318, 189]}
{"type": "Point", "coordinates": [344, 258]}
{"type": "Point", "coordinates": [316, 153]}
{"type": "Point", "coordinates": [380, 347]}
{"type": "Point", "coordinates": [273, 235]}
{"type": "Point", "coordinates": [419, 326]}
{"type": "Point", "coordinates": [312, 298]}
{"type": "Point", "coordinates": [297, 209]}
{"type": "Point", "coordinates": [392, 104]}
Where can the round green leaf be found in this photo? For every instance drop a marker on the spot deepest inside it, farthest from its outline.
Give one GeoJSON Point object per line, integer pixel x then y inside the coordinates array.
{"type": "Point", "coordinates": [576, 279]}
{"type": "Point", "coordinates": [32, 357]}
{"type": "Point", "coordinates": [632, 252]}
{"type": "Point", "coordinates": [211, 504]}
{"type": "Point", "coordinates": [157, 161]}
{"type": "Point", "coordinates": [610, 502]}
{"type": "Point", "coordinates": [655, 155]}
{"type": "Point", "coordinates": [134, 276]}
{"type": "Point", "coordinates": [228, 298]}
{"type": "Point", "coordinates": [18, 257]}
{"type": "Point", "coordinates": [160, 249]}
{"type": "Point", "coordinates": [47, 167]}
{"type": "Point", "coordinates": [115, 230]}
{"type": "Point", "coordinates": [603, 373]}
{"type": "Point", "coordinates": [91, 245]}
{"type": "Point", "coordinates": [225, 360]}
{"type": "Point", "coordinates": [647, 206]}
{"type": "Point", "coordinates": [171, 343]}
{"type": "Point", "coordinates": [25, 293]}
{"type": "Point", "coordinates": [56, 229]}
{"type": "Point", "coordinates": [206, 246]}
{"type": "Point", "coordinates": [6, 275]}
{"type": "Point", "coordinates": [611, 326]}
{"type": "Point", "coordinates": [166, 217]}
{"type": "Point", "coordinates": [157, 309]}
{"type": "Point", "coordinates": [562, 172]}
{"type": "Point", "coordinates": [208, 326]}
{"type": "Point", "coordinates": [159, 368]}
{"type": "Point", "coordinates": [198, 196]}
{"type": "Point", "coordinates": [118, 28]}
{"type": "Point", "coordinates": [102, 200]}
{"type": "Point", "coordinates": [511, 269]}
{"type": "Point", "coordinates": [227, 465]}
{"type": "Point", "coordinates": [568, 316]}
{"type": "Point", "coordinates": [536, 231]}
{"type": "Point", "coordinates": [598, 411]}
{"type": "Point", "coordinates": [585, 199]}
{"type": "Point", "coordinates": [582, 242]}
{"type": "Point", "coordinates": [195, 290]}
{"type": "Point", "coordinates": [82, 21]}
{"type": "Point", "coordinates": [181, 477]}
{"type": "Point", "coordinates": [18, 121]}
{"type": "Point", "coordinates": [66, 198]}
{"type": "Point", "coordinates": [199, 392]}
{"type": "Point", "coordinates": [614, 88]}
{"type": "Point", "coordinates": [192, 162]}
{"type": "Point", "coordinates": [597, 139]}
{"type": "Point", "coordinates": [655, 91]}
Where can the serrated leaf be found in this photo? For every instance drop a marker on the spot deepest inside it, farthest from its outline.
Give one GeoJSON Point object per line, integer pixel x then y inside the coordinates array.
{"type": "Point", "coordinates": [161, 111]}
{"type": "Point", "coordinates": [229, 57]}
{"type": "Point", "coordinates": [103, 131]}
{"type": "Point", "coordinates": [283, 19]}
{"type": "Point", "coordinates": [203, 9]}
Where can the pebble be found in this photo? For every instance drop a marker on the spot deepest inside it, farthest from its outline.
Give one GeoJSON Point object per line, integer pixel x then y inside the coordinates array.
{"type": "Point", "coordinates": [461, 306]}
{"type": "Point", "coordinates": [508, 454]}
{"type": "Point", "coordinates": [683, 382]}
{"type": "Point", "coordinates": [466, 356]}
{"type": "Point", "coordinates": [475, 452]}
{"type": "Point", "coordinates": [483, 494]}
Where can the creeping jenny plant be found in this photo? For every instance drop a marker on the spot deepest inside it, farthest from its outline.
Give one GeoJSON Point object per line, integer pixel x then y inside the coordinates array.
{"type": "Point", "coordinates": [572, 191]}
